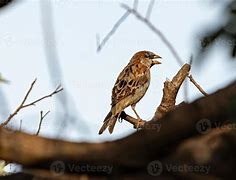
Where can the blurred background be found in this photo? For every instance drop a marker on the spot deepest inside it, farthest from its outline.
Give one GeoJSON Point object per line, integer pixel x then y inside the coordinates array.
{"type": "Point", "coordinates": [55, 41]}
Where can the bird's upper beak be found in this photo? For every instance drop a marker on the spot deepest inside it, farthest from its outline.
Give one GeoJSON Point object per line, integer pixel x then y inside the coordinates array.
{"type": "Point", "coordinates": [155, 61]}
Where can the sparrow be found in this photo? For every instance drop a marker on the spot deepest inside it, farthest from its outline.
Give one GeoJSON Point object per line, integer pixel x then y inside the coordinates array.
{"type": "Point", "coordinates": [130, 86]}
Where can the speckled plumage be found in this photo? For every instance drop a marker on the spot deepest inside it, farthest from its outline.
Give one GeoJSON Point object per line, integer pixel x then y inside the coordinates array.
{"type": "Point", "coordinates": [131, 85]}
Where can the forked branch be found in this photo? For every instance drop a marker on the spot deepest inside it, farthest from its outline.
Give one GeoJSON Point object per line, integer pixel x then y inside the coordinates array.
{"type": "Point", "coordinates": [24, 105]}
{"type": "Point", "coordinates": [42, 116]}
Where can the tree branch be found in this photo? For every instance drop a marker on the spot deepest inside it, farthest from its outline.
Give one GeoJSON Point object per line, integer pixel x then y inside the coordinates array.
{"type": "Point", "coordinates": [113, 30]}
{"type": "Point", "coordinates": [23, 105]}
{"type": "Point", "coordinates": [170, 92]}
{"type": "Point", "coordinates": [149, 10]}
{"type": "Point", "coordinates": [42, 116]}
{"type": "Point", "coordinates": [35, 152]}
{"type": "Point", "coordinates": [156, 31]}
{"type": "Point", "coordinates": [197, 85]}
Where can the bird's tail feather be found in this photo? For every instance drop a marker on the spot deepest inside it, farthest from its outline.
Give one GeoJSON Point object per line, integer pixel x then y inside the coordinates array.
{"type": "Point", "coordinates": [112, 124]}
{"type": "Point", "coordinates": [103, 128]}
{"type": "Point", "coordinates": [109, 122]}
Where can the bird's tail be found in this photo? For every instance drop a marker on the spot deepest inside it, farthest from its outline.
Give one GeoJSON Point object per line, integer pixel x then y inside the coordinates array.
{"type": "Point", "coordinates": [109, 122]}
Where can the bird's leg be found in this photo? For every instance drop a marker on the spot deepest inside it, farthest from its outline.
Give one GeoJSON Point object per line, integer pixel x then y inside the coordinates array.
{"type": "Point", "coordinates": [133, 108]}
{"type": "Point", "coordinates": [139, 119]}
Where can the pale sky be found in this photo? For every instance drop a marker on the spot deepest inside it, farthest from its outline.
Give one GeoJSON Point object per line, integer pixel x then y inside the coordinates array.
{"type": "Point", "coordinates": [89, 76]}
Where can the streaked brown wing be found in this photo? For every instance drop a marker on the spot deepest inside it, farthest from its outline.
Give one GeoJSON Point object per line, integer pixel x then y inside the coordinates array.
{"type": "Point", "coordinates": [130, 79]}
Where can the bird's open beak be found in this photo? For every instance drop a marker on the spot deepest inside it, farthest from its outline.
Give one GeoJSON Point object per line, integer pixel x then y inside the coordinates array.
{"type": "Point", "coordinates": [155, 61]}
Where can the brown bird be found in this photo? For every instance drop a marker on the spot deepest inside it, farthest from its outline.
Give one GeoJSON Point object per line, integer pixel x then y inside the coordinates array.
{"type": "Point", "coordinates": [131, 85]}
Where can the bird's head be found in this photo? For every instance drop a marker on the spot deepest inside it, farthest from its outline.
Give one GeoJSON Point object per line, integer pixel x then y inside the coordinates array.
{"type": "Point", "coordinates": [147, 58]}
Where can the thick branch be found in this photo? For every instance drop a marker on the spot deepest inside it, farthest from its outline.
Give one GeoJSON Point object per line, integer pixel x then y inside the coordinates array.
{"type": "Point", "coordinates": [170, 92]}
{"type": "Point", "coordinates": [175, 126]}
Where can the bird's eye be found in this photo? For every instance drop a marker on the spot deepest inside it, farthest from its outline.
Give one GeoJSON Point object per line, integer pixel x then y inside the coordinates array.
{"type": "Point", "coordinates": [147, 55]}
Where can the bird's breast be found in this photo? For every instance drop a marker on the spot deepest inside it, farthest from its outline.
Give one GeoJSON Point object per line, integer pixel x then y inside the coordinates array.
{"type": "Point", "coordinates": [139, 93]}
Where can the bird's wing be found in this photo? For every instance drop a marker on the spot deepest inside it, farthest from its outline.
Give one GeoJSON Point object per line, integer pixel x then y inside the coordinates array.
{"type": "Point", "coordinates": [130, 79]}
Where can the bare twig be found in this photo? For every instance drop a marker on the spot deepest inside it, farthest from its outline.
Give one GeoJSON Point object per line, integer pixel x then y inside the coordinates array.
{"type": "Point", "coordinates": [23, 105]}
{"type": "Point", "coordinates": [149, 10]}
{"type": "Point", "coordinates": [192, 80]}
{"type": "Point", "coordinates": [42, 116]}
{"type": "Point", "coordinates": [57, 90]}
{"type": "Point", "coordinates": [191, 60]}
{"type": "Point", "coordinates": [20, 106]}
{"type": "Point", "coordinates": [156, 31]}
{"type": "Point", "coordinates": [148, 23]}
{"type": "Point", "coordinates": [197, 85]}
{"type": "Point", "coordinates": [113, 30]}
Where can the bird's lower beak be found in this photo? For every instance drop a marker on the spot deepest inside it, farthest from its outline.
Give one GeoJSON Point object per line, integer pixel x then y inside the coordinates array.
{"type": "Point", "coordinates": [155, 61]}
